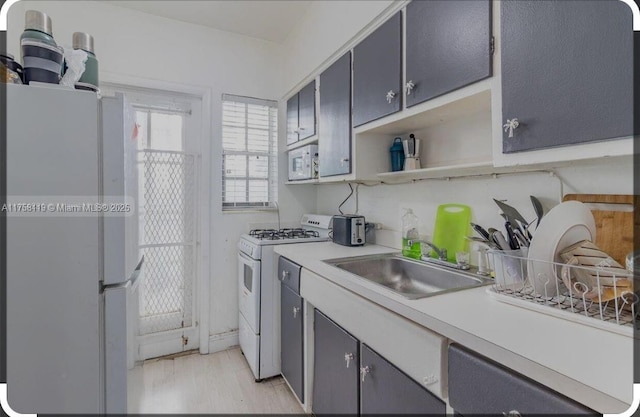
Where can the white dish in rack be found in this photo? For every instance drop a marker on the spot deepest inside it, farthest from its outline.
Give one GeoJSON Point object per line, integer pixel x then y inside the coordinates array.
{"type": "Point", "coordinates": [567, 223]}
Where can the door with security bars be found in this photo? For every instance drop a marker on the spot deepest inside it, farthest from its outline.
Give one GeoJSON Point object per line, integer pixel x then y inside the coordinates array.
{"type": "Point", "coordinates": [168, 228]}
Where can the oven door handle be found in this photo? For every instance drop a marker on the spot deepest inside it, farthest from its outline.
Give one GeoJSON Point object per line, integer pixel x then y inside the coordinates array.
{"type": "Point", "coordinates": [247, 260]}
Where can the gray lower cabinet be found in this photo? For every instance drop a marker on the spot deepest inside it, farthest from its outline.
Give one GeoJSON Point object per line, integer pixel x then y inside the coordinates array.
{"type": "Point", "coordinates": [352, 379]}
{"type": "Point", "coordinates": [448, 46]}
{"type": "Point", "coordinates": [334, 146]}
{"type": "Point", "coordinates": [291, 326]}
{"type": "Point", "coordinates": [377, 73]}
{"type": "Point", "coordinates": [478, 385]}
{"type": "Point", "coordinates": [567, 72]}
{"type": "Point", "coordinates": [384, 389]}
{"type": "Point", "coordinates": [301, 114]}
{"type": "Point", "coordinates": [335, 375]}
{"type": "Point", "coordinates": [291, 340]}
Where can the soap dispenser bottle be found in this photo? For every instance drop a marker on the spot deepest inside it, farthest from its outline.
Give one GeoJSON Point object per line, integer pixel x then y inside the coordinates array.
{"type": "Point", "coordinates": [410, 234]}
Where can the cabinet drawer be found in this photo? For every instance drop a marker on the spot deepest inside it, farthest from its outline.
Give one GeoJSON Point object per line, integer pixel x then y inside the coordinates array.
{"type": "Point", "coordinates": [289, 274]}
{"type": "Point", "coordinates": [478, 385]}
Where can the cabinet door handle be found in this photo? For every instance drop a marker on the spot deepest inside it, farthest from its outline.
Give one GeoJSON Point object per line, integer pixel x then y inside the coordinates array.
{"type": "Point", "coordinates": [510, 126]}
{"type": "Point", "coordinates": [512, 413]}
{"type": "Point", "coordinates": [390, 96]}
{"type": "Point", "coordinates": [296, 310]}
{"type": "Point", "coordinates": [285, 275]}
{"type": "Point", "coordinates": [364, 371]}
{"type": "Point", "coordinates": [348, 357]}
{"type": "Point", "coordinates": [410, 85]}
{"type": "Point", "coordinates": [343, 160]}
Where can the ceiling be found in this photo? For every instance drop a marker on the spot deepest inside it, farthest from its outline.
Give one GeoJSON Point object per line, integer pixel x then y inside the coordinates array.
{"type": "Point", "coordinates": [270, 20]}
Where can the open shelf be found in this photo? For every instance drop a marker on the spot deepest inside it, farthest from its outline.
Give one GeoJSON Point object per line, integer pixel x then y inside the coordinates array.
{"type": "Point", "coordinates": [311, 181]}
{"type": "Point", "coordinates": [309, 141]}
{"type": "Point", "coordinates": [449, 171]}
{"type": "Point", "coordinates": [458, 104]}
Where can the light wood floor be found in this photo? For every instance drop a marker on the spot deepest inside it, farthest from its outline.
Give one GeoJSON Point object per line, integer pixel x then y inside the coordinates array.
{"type": "Point", "coordinates": [208, 384]}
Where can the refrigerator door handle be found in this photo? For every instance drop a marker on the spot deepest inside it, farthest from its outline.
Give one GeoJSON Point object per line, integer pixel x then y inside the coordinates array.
{"type": "Point", "coordinates": [135, 276]}
{"type": "Point", "coordinates": [132, 282]}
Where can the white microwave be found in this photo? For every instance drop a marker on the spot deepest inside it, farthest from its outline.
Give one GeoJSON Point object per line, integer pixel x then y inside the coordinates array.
{"type": "Point", "coordinates": [303, 163]}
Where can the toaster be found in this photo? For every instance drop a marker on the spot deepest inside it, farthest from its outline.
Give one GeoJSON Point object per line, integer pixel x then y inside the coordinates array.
{"type": "Point", "coordinates": [349, 230]}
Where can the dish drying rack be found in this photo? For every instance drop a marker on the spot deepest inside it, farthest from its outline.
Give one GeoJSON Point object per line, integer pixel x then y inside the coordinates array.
{"type": "Point", "coordinates": [549, 295]}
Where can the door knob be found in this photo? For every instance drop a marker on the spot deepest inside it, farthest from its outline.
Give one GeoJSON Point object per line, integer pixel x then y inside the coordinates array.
{"type": "Point", "coordinates": [410, 85]}
{"type": "Point", "coordinates": [390, 96]}
{"type": "Point", "coordinates": [285, 275]}
{"type": "Point", "coordinates": [296, 310]}
{"type": "Point", "coordinates": [510, 126]}
{"type": "Point", "coordinates": [364, 371]}
{"type": "Point", "coordinates": [348, 357]}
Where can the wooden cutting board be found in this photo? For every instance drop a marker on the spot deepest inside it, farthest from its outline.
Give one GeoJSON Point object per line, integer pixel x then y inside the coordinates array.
{"type": "Point", "coordinates": [615, 222]}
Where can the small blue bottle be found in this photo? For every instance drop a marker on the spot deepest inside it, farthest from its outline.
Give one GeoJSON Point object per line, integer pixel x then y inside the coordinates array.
{"type": "Point", "coordinates": [397, 155]}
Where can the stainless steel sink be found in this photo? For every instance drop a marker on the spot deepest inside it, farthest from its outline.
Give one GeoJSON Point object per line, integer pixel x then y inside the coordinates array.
{"type": "Point", "coordinates": [408, 277]}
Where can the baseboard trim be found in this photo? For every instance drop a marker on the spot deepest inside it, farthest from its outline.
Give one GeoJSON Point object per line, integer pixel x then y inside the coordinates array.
{"type": "Point", "coordinates": [223, 341]}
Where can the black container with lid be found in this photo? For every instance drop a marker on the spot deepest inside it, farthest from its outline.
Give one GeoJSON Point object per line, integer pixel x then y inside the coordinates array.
{"type": "Point", "coordinates": [8, 60]}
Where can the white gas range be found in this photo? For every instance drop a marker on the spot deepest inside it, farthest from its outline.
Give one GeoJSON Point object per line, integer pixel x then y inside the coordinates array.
{"type": "Point", "coordinates": [259, 290]}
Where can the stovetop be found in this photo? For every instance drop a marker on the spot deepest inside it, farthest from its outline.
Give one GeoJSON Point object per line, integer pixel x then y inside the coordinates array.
{"type": "Point", "coordinates": [314, 228]}
{"type": "Point", "coordinates": [272, 234]}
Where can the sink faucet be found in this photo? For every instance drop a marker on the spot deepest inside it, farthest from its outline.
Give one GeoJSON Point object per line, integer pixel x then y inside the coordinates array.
{"type": "Point", "coordinates": [442, 253]}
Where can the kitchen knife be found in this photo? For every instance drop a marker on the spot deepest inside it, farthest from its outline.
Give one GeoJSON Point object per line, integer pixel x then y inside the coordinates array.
{"type": "Point", "coordinates": [513, 241]}
{"type": "Point", "coordinates": [499, 239]}
{"type": "Point", "coordinates": [480, 230]}
{"type": "Point", "coordinates": [522, 239]}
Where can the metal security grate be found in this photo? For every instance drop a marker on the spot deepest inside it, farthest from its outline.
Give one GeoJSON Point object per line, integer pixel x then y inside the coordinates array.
{"type": "Point", "coordinates": [167, 240]}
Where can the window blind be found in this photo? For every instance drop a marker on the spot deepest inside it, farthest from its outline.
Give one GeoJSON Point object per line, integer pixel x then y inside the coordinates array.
{"type": "Point", "coordinates": [249, 157]}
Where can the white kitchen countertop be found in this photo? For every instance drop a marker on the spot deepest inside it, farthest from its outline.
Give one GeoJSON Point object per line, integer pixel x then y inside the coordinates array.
{"type": "Point", "coordinates": [590, 365]}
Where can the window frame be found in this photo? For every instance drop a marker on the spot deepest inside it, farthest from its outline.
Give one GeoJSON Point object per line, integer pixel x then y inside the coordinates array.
{"type": "Point", "coordinates": [271, 156]}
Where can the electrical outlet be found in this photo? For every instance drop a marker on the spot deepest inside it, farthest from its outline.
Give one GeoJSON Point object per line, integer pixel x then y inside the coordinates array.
{"type": "Point", "coordinates": [378, 226]}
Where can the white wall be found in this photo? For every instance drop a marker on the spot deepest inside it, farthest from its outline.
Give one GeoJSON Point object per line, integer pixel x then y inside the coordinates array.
{"type": "Point", "coordinates": [326, 27]}
{"type": "Point", "coordinates": [135, 44]}
{"type": "Point", "coordinates": [384, 203]}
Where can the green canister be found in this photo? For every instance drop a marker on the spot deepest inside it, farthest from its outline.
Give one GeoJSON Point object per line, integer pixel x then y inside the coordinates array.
{"type": "Point", "coordinates": [89, 79]}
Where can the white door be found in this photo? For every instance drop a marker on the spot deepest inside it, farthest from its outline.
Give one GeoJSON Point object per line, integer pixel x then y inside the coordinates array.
{"type": "Point", "coordinates": [169, 130]}
{"type": "Point", "coordinates": [168, 238]}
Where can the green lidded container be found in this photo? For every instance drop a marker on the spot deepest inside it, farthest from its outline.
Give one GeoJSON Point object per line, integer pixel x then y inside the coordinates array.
{"type": "Point", "coordinates": [89, 80]}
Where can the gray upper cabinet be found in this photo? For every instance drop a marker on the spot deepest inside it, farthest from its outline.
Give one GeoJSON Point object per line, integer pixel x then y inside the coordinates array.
{"type": "Point", "coordinates": [387, 390]}
{"type": "Point", "coordinates": [292, 119]}
{"type": "Point", "coordinates": [479, 386]}
{"type": "Point", "coordinates": [307, 111]}
{"type": "Point", "coordinates": [334, 146]}
{"type": "Point", "coordinates": [335, 375]}
{"type": "Point", "coordinates": [567, 72]}
{"type": "Point", "coordinates": [377, 73]}
{"type": "Point", "coordinates": [301, 114]}
{"type": "Point", "coordinates": [448, 46]}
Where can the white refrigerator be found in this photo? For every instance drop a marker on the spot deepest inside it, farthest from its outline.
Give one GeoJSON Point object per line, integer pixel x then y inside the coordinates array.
{"type": "Point", "coordinates": [72, 269]}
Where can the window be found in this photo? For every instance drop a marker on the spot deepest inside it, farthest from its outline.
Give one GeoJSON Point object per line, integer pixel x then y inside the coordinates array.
{"type": "Point", "coordinates": [249, 149]}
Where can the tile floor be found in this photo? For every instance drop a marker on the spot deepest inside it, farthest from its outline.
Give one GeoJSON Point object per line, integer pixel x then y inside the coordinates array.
{"type": "Point", "coordinates": [210, 384]}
